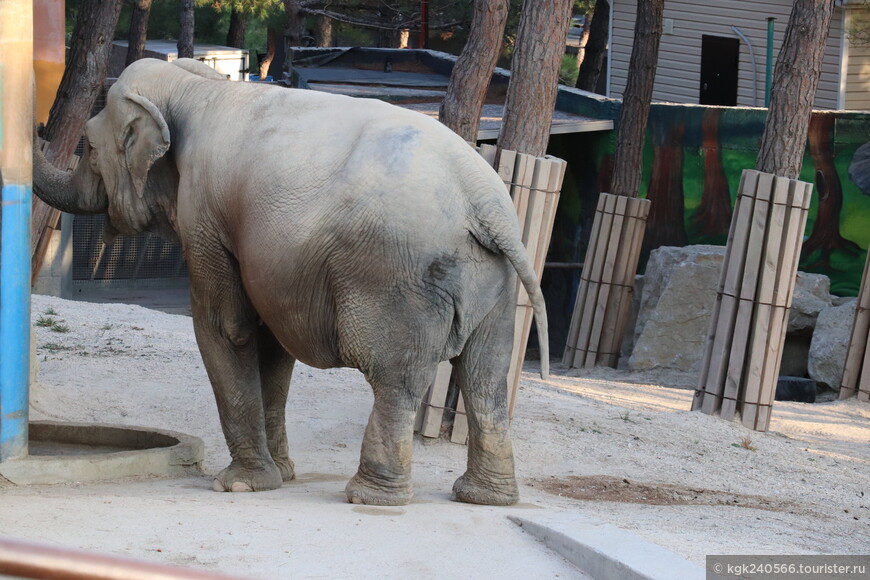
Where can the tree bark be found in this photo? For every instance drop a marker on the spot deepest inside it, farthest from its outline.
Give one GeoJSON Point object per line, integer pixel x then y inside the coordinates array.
{"type": "Point", "coordinates": [82, 82]}
{"type": "Point", "coordinates": [713, 216]}
{"type": "Point", "coordinates": [795, 79]}
{"type": "Point", "coordinates": [237, 29]}
{"type": "Point", "coordinates": [596, 48]}
{"type": "Point", "coordinates": [825, 237]}
{"type": "Point", "coordinates": [469, 81]}
{"type": "Point", "coordinates": [636, 100]}
{"type": "Point", "coordinates": [531, 94]}
{"type": "Point", "coordinates": [271, 47]}
{"type": "Point", "coordinates": [138, 31]}
{"type": "Point", "coordinates": [293, 33]}
{"type": "Point", "coordinates": [323, 32]}
{"type": "Point", "coordinates": [185, 36]}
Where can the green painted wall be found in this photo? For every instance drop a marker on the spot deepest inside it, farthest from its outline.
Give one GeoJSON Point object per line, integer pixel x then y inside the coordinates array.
{"type": "Point", "coordinates": [677, 132]}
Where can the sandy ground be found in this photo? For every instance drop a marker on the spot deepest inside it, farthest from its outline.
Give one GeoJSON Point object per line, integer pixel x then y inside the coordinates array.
{"type": "Point", "coordinates": [619, 447]}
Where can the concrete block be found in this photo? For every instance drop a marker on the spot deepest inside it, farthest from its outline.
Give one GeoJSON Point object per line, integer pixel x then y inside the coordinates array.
{"type": "Point", "coordinates": [605, 552]}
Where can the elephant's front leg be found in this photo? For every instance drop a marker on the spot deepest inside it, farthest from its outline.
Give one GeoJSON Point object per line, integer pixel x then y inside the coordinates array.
{"type": "Point", "coordinates": [226, 331]}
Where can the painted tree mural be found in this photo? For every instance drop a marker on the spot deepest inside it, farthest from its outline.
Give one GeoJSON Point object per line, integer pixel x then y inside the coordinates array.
{"type": "Point", "coordinates": [713, 216]}
{"type": "Point", "coordinates": [666, 221]}
{"type": "Point", "coordinates": [825, 238]}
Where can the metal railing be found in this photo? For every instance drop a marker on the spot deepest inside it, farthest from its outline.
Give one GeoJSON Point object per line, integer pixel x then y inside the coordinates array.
{"type": "Point", "coordinates": [28, 560]}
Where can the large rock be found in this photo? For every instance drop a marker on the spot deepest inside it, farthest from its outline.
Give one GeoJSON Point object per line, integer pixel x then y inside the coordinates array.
{"type": "Point", "coordinates": [676, 301]}
{"type": "Point", "coordinates": [830, 341]}
{"type": "Point", "coordinates": [812, 294]}
{"type": "Point", "coordinates": [679, 291]}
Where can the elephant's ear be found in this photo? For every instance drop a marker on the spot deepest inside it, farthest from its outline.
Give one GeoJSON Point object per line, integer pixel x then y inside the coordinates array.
{"type": "Point", "coordinates": [145, 139]}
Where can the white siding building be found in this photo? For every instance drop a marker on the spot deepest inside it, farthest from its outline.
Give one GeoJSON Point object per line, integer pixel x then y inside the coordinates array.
{"type": "Point", "coordinates": [716, 53]}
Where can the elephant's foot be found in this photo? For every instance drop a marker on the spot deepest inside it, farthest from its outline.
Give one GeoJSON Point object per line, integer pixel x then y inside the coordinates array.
{"type": "Point", "coordinates": [494, 491]}
{"type": "Point", "coordinates": [287, 468]}
{"type": "Point", "coordinates": [362, 490]}
{"type": "Point", "coordinates": [236, 478]}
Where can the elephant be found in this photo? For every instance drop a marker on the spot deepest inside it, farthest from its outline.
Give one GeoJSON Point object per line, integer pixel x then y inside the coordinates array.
{"type": "Point", "coordinates": [337, 231]}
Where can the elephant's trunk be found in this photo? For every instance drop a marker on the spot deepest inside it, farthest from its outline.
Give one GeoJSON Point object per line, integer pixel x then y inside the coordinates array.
{"type": "Point", "coordinates": [77, 192]}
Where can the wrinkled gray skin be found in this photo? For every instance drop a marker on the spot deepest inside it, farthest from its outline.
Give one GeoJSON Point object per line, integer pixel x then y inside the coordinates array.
{"type": "Point", "coordinates": [336, 231]}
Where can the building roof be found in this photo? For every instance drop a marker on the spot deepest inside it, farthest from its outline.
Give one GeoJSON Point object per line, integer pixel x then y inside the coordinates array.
{"type": "Point", "coordinates": [405, 78]}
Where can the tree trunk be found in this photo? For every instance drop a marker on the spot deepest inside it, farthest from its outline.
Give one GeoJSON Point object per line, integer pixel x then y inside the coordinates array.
{"type": "Point", "coordinates": [185, 36]}
{"type": "Point", "coordinates": [138, 31]}
{"type": "Point", "coordinates": [825, 237]}
{"type": "Point", "coordinates": [293, 34]}
{"type": "Point", "coordinates": [712, 219]}
{"type": "Point", "coordinates": [531, 95]}
{"type": "Point", "coordinates": [238, 27]}
{"type": "Point", "coordinates": [469, 81]}
{"type": "Point", "coordinates": [795, 79]}
{"type": "Point", "coordinates": [271, 46]}
{"type": "Point", "coordinates": [596, 48]}
{"type": "Point", "coordinates": [82, 82]}
{"type": "Point", "coordinates": [323, 33]}
{"type": "Point", "coordinates": [636, 100]}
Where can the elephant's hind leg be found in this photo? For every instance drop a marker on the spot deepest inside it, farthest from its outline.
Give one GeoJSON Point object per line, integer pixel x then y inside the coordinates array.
{"type": "Point", "coordinates": [276, 369]}
{"type": "Point", "coordinates": [482, 369]}
{"type": "Point", "coordinates": [384, 475]}
{"type": "Point", "coordinates": [226, 331]}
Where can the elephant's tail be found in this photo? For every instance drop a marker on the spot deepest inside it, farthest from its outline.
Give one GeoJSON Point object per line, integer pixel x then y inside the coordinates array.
{"type": "Point", "coordinates": [498, 239]}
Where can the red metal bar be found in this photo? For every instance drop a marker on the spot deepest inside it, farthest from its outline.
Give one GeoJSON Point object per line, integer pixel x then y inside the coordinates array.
{"type": "Point", "coordinates": [27, 560]}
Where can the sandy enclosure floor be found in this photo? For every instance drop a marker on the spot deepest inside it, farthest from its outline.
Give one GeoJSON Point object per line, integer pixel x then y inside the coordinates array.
{"type": "Point", "coordinates": [623, 448]}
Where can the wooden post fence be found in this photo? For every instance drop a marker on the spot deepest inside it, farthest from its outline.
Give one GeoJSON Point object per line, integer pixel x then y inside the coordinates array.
{"type": "Point", "coordinates": [856, 372]}
{"type": "Point", "coordinates": [42, 238]}
{"type": "Point", "coordinates": [747, 328]}
{"type": "Point", "coordinates": [534, 184]}
{"type": "Point", "coordinates": [607, 283]}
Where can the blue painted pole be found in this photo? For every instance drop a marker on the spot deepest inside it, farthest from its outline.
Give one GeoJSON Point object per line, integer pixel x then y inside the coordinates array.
{"type": "Point", "coordinates": [16, 134]}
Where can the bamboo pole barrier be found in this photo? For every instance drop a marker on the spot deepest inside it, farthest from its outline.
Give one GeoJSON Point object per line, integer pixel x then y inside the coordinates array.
{"type": "Point", "coordinates": [604, 296]}
{"type": "Point", "coordinates": [534, 184]}
{"type": "Point", "coordinates": [856, 374]}
{"type": "Point", "coordinates": [749, 320]}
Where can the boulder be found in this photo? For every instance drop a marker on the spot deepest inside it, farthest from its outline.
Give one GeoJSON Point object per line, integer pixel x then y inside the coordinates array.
{"type": "Point", "coordinates": [831, 336]}
{"type": "Point", "coordinates": [679, 292]}
{"type": "Point", "coordinates": [675, 301]}
{"type": "Point", "coordinates": [812, 294]}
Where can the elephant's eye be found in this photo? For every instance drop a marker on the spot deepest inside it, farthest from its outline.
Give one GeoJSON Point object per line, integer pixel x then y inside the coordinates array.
{"type": "Point", "coordinates": [94, 157]}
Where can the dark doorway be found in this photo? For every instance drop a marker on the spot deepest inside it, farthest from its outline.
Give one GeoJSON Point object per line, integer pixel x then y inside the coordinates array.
{"type": "Point", "coordinates": [719, 61]}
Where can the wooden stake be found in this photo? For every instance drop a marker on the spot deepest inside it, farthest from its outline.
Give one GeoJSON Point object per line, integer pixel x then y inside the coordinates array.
{"type": "Point", "coordinates": [433, 411]}
{"type": "Point", "coordinates": [575, 340]}
{"type": "Point", "coordinates": [709, 345]}
{"type": "Point", "coordinates": [460, 424]}
{"type": "Point", "coordinates": [600, 318]}
{"type": "Point", "coordinates": [735, 259]}
{"type": "Point", "coordinates": [858, 341]}
{"type": "Point", "coordinates": [735, 379]}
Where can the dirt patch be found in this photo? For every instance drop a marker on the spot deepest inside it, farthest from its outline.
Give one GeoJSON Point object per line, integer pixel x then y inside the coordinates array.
{"type": "Point", "coordinates": [607, 488]}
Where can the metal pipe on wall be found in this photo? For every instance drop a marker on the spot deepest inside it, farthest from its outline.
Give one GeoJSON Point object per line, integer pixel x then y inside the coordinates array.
{"type": "Point", "coordinates": [16, 134]}
{"type": "Point", "coordinates": [754, 64]}
{"type": "Point", "coordinates": [768, 70]}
